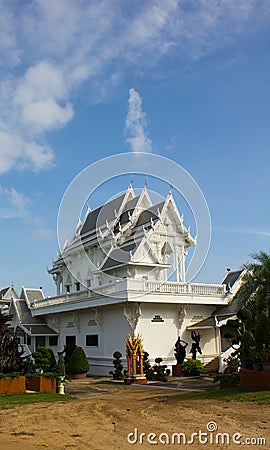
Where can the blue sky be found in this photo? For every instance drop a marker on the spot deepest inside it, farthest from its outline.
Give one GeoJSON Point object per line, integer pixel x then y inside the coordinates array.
{"type": "Point", "coordinates": [195, 72]}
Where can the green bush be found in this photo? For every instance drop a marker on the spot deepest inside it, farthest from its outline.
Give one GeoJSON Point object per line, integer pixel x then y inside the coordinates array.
{"type": "Point", "coordinates": [44, 359]}
{"type": "Point", "coordinates": [147, 369]}
{"type": "Point", "coordinates": [192, 367]}
{"type": "Point", "coordinates": [78, 362]}
{"type": "Point", "coordinates": [161, 372]}
{"type": "Point", "coordinates": [118, 366]}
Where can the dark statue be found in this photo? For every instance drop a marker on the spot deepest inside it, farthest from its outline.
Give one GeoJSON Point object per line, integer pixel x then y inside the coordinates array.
{"type": "Point", "coordinates": [180, 350]}
{"type": "Point", "coordinates": [195, 347]}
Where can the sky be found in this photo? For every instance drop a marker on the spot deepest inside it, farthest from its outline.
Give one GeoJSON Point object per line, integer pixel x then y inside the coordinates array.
{"type": "Point", "coordinates": [83, 80]}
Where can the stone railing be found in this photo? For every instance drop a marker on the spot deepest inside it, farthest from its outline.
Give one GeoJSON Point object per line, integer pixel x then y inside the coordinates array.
{"type": "Point", "coordinates": [185, 288]}
{"type": "Point", "coordinates": [133, 286]}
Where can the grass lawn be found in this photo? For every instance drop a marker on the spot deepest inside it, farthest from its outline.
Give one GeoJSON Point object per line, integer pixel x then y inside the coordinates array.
{"type": "Point", "coordinates": [236, 394]}
{"type": "Point", "coordinates": [24, 399]}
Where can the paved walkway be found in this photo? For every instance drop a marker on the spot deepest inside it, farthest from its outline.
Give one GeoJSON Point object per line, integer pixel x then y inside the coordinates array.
{"type": "Point", "coordinates": [99, 386]}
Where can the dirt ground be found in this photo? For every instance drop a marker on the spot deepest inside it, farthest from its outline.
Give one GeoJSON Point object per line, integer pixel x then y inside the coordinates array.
{"type": "Point", "coordinates": [103, 415]}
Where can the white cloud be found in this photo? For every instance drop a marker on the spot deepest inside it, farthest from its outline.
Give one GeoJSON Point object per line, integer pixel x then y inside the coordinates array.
{"type": "Point", "coordinates": [136, 124]}
{"type": "Point", "coordinates": [13, 204]}
{"type": "Point", "coordinates": [49, 48]}
{"type": "Point", "coordinates": [14, 151]}
{"type": "Point", "coordinates": [43, 234]}
{"type": "Point", "coordinates": [259, 233]}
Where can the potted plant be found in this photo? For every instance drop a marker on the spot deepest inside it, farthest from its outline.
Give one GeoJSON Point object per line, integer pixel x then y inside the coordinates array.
{"type": "Point", "coordinates": [12, 364]}
{"type": "Point", "coordinates": [228, 380]}
{"type": "Point", "coordinates": [78, 364]}
{"type": "Point", "coordinates": [43, 379]}
{"type": "Point", "coordinates": [253, 324]}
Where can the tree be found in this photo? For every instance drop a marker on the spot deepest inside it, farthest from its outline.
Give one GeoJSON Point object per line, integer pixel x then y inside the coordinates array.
{"type": "Point", "coordinates": [11, 359]}
{"type": "Point", "coordinates": [253, 317]}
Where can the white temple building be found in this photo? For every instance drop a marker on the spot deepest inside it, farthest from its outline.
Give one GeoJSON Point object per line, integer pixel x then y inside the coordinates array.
{"type": "Point", "coordinates": [114, 278]}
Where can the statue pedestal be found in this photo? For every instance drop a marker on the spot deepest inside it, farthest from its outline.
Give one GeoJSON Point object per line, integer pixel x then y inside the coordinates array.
{"type": "Point", "coordinates": [177, 370]}
{"type": "Point", "coordinates": [136, 379]}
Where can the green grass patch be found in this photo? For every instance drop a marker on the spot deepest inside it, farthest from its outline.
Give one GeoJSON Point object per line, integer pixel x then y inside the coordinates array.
{"type": "Point", "coordinates": [25, 399]}
{"type": "Point", "coordinates": [235, 394]}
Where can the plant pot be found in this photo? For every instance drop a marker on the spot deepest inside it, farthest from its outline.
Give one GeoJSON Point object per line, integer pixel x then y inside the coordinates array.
{"type": "Point", "coordinates": [229, 384]}
{"type": "Point", "coordinates": [266, 366]}
{"type": "Point", "coordinates": [12, 385]}
{"type": "Point", "coordinates": [253, 380]}
{"type": "Point", "coordinates": [257, 366]}
{"type": "Point", "coordinates": [78, 375]}
{"type": "Point", "coordinates": [40, 383]}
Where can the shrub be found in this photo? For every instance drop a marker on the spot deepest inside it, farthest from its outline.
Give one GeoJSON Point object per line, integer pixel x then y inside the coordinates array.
{"type": "Point", "coordinates": [78, 362]}
{"type": "Point", "coordinates": [192, 367]}
{"type": "Point", "coordinates": [233, 363]}
{"type": "Point", "coordinates": [44, 359]}
{"type": "Point", "coordinates": [118, 366]}
{"type": "Point", "coordinates": [160, 370]}
{"type": "Point", "coordinates": [147, 369]}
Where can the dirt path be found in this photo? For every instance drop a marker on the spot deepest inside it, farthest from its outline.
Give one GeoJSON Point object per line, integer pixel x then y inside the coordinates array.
{"type": "Point", "coordinates": [106, 414]}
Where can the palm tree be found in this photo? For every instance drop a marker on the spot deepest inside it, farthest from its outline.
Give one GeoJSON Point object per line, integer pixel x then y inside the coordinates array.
{"type": "Point", "coordinates": [255, 291]}
{"type": "Point", "coordinates": [254, 296]}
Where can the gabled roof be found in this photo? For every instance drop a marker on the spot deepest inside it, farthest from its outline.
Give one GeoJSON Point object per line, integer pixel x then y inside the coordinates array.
{"type": "Point", "coordinates": [231, 277]}
{"type": "Point", "coordinates": [3, 292]}
{"type": "Point", "coordinates": [35, 326]}
{"type": "Point", "coordinates": [24, 313]}
{"type": "Point", "coordinates": [30, 295]}
{"type": "Point", "coordinates": [8, 292]}
{"type": "Point", "coordinates": [119, 256]}
{"type": "Point", "coordinates": [150, 213]}
{"type": "Point", "coordinates": [40, 330]}
{"type": "Point", "coordinates": [224, 312]}
{"type": "Point", "coordinates": [127, 212]}
{"type": "Point", "coordinates": [91, 222]}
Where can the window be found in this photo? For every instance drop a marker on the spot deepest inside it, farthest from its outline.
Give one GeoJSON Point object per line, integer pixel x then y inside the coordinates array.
{"type": "Point", "coordinates": [71, 341]}
{"type": "Point", "coordinates": [53, 341]}
{"type": "Point", "coordinates": [27, 340]}
{"type": "Point", "coordinates": [67, 288]}
{"type": "Point", "coordinates": [78, 286]}
{"type": "Point", "coordinates": [40, 341]}
{"type": "Point", "coordinates": [91, 340]}
{"type": "Point", "coordinates": [88, 283]}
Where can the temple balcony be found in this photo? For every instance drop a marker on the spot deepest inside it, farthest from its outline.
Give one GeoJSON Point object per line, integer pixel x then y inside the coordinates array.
{"type": "Point", "coordinates": [133, 290]}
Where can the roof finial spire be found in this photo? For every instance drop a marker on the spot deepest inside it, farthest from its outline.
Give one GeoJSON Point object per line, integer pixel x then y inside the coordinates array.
{"type": "Point", "coordinates": [146, 181]}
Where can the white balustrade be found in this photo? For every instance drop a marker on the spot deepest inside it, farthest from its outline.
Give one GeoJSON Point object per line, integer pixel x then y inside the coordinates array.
{"type": "Point", "coordinates": [131, 285]}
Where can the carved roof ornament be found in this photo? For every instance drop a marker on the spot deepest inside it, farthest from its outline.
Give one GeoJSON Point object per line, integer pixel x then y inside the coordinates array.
{"type": "Point", "coordinates": [77, 321]}
{"type": "Point", "coordinates": [99, 318]}
{"type": "Point", "coordinates": [132, 313]}
{"type": "Point", "coordinates": [181, 315]}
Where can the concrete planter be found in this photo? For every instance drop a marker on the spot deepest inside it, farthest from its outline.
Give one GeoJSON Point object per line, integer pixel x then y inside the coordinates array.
{"type": "Point", "coordinates": [40, 383]}
{"type": "Point", "coordinates": [12, 385]}
{"type": "Point", "coordinates": [254, 380]}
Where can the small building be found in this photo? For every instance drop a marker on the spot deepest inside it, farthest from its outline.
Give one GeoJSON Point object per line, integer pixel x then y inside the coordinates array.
{"type": "Point", "coordinates": [32, 331]}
